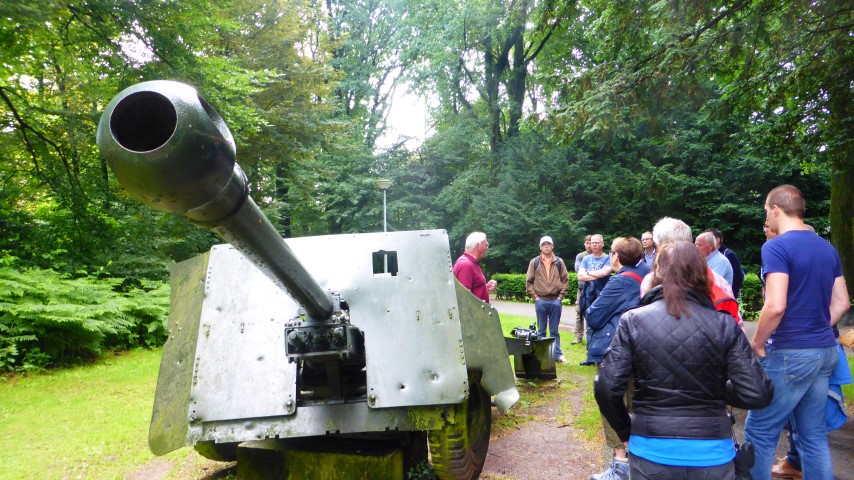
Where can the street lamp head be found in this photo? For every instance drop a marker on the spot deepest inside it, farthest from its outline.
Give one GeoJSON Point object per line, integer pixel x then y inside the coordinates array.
{"type": "Point", "coordinates": [384, 184]}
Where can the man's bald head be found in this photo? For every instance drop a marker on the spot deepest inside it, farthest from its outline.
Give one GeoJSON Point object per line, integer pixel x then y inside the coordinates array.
{"type": "Point", "coordinates": [705, 243]}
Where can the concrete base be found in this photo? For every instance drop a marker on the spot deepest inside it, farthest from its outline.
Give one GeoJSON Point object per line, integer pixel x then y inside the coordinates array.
{"type": "Point", "coordinates": [319, 459]}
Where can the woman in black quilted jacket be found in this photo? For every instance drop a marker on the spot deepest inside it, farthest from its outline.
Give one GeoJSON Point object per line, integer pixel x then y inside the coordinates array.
{"type": "Point", "coordinates": [688, 362]}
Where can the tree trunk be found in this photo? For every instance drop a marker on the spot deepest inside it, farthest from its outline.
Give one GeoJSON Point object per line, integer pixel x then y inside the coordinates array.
{"type": "Point", "coordinates": [841, 136]}
{"type": "Point", "coordinates": [282, 190]}
{"type": "Point", "coordinates": [842, 222]}
{"type": "Point", "coordinates": [516, 85]}
{"type": "Point", "coordinates": [493, 70]}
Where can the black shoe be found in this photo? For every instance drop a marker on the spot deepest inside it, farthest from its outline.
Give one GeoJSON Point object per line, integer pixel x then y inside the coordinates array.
{"type": "Point", "coordinates": [587, 364]}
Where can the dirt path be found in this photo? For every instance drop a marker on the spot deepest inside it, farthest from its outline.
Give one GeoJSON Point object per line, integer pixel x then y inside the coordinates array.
{"type": "Point", "coordinates": [544, 448]}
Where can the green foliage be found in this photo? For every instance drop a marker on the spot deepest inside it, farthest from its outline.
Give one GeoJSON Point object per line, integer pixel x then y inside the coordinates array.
{"type": "Point", "coordinates": [511, 286]}
{"type": "Point", "coordinates": [751, 297]}
{"type": "Point", "coordinates": [8, 355]}
{"type": "Point", "coordinates": [35, 360]}
{"type": "Point", "coordinates": [422, 471]}
{"type": "Point", "coordinates": [49, 319]}
{"type": "Point", "coordinates": [572, 295]}
{"type": "Point", "coordinates": [60, 207]}
{"type": "Point", "coordinates": [848, 390]}
{"type": "Point", "coordinates": [477, 56]}
{"type": "Point", "coordinates": [764, 79]}
{"type": "Point", "coordinates": [366, 41]}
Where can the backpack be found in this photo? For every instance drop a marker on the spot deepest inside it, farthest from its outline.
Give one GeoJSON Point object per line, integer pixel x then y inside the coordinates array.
{"type": "Point", "coordinates": [558, 262]}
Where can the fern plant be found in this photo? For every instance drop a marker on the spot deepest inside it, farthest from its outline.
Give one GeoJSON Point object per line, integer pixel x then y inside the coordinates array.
{"type": "Point", "coordinates": [68, 319]}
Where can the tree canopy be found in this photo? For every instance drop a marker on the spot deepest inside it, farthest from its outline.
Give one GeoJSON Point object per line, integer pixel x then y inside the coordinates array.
{"type": "Point", "coordinates": [548, 117]}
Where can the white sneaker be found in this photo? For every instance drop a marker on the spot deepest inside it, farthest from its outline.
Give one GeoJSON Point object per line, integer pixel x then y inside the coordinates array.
{"type": "Point", "coordinates": [617, 470]}
{"type": "Point", "coordinates": [562, 359]}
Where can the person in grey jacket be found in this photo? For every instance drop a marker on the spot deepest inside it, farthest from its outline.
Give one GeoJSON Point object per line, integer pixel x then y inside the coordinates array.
{"type": "Point", "coordinates": [688, 362]}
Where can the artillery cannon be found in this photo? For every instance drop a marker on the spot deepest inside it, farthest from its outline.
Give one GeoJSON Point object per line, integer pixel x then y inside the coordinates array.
{"type": "Point", "coordinates": [365, 336]}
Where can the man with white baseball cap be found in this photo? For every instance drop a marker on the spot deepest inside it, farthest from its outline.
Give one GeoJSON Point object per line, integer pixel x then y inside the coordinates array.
{"type": "Point", "coordinates": [547, 283]}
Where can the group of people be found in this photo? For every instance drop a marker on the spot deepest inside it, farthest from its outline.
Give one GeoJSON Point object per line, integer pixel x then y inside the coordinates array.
{"type": "Point", "coordinates": [664, 332]}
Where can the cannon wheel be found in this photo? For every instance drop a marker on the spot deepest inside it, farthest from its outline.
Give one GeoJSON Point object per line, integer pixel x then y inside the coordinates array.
{"type": "Point", "coordinates": [458, 451]}
{"type": "Point", "coordinates": [220, 452]}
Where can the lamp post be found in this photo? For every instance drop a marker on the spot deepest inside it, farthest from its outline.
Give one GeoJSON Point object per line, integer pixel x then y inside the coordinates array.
{"type": "Point", "coordinates": [384, 184]}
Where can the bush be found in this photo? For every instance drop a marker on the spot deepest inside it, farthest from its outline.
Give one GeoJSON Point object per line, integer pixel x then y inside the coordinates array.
{"type": "Point", "coordinates": [49, 319]}
{"type": "Point", "coordinates": [511, 286]}
{"type": "Point", "coordinates": [751, 297]}
{"type": "Point", "coordinates": [421, 471]}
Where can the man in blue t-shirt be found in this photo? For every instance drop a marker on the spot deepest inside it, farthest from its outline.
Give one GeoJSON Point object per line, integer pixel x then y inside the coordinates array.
{"type": "Point", "coordinates": [805, 295]}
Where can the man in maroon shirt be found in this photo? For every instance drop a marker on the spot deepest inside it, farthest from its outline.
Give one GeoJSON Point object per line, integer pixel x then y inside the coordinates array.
{"type": "Point", "coordinates": [467, 270]}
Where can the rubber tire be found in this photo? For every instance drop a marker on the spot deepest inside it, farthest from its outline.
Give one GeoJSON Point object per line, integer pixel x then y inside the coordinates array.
{"type": "Point", "coordinates": [220, 452]}
{"type": "Point", "coordinates": [458, 451]}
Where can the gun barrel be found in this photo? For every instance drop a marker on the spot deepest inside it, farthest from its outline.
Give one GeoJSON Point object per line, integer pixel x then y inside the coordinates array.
{"type": "Point", "coordinates": [173, 152]}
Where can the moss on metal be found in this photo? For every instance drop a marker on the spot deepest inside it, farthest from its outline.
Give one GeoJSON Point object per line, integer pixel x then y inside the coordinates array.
{"type": "Point", "coordinates": [330, 459]}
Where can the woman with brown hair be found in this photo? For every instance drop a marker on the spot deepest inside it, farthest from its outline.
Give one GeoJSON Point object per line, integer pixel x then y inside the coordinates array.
{"type": "Point", "coordinates": [688, 362]}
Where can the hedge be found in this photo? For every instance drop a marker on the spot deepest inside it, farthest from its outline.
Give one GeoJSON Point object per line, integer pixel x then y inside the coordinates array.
{"type": "Point", "coordinates": [751, 297]}
{"type": "Point", "coordinates": [511, 286]}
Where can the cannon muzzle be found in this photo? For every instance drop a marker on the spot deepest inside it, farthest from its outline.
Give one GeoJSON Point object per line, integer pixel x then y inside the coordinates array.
{"type": "Point", "coordinates": [173, 152]}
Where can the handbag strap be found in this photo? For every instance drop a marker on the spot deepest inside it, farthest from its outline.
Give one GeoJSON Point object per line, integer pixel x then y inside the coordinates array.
{"type": "Point", "coordinates": [633, 275]}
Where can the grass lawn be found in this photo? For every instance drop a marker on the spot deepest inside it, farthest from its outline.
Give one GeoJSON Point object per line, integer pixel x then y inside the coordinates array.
{"type": "Point", "coordinates": [87, 422]}
{"type": "Point", "coordinates": [848, 390]}
{"type": "Point", "coordinates": [573, 381]}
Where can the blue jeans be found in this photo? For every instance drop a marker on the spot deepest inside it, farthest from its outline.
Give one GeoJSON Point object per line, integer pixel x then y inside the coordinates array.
{"type": "Point", "coordinates": [800, 395]}
{"type": "Point", "coordinates": [548, 314]}
{"type": "Point", "coordinates": [643, 469]}
{"type": "Point", "coordinates": [793, 457]}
